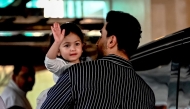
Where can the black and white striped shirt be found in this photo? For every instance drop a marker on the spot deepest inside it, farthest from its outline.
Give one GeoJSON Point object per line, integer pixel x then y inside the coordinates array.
{"type": "Point", "coordinates": [108, 83]}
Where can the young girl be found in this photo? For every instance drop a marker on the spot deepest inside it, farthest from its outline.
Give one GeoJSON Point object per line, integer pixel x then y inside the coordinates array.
{"type": "Point", "coordinates": [66, 50]}
{"type": "Point", "coordinates": [67, 45]}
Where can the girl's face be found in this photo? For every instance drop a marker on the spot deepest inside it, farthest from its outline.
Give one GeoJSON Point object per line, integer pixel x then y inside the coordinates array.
{"type": "Point", "coordinates": [71, 48]}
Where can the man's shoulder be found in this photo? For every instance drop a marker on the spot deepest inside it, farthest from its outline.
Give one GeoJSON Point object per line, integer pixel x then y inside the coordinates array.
{"type": "Point", "coordinates": [84, 66]}
{"type": "Point", "coordinates": [8, 92]}
{"type": "Point", "coordinates": [92, 63]}
{"type": "Point", "coordinates": [9, 97]}
{"type": "Point", "coordinates": [144, 85]}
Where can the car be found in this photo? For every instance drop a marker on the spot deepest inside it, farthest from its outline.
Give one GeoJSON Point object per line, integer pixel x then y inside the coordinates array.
{"type": "Point", "coordinates": [164, 64]}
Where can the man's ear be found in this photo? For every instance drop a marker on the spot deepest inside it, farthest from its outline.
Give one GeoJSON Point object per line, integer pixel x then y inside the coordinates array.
{"type": "Point", "coordinates": [112, 41]}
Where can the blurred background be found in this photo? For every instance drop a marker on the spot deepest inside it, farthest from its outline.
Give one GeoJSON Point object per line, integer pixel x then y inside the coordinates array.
{"type": "Point", "coordinates": [25, 28]}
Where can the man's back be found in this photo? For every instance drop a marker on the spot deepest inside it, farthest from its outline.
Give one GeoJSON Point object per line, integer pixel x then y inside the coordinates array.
{"type": "Point", "coordinates": [109, 83]}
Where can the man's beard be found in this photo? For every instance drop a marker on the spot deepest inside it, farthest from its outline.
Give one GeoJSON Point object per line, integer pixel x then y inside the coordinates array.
{"type": "Point", "coordinates": [100, 52]}
{"type": "Point", "coordinates": [29, 86]}
{"type": "Point", "coordinates": [100, 55]}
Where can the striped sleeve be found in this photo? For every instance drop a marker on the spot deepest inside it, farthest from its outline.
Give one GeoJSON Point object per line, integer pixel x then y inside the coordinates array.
{"type": "Point", "coordinates": [59, 96]}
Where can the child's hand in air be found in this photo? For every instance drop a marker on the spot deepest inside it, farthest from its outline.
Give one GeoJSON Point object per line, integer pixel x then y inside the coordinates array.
{"type": "Point", "coordinates": [57, 33]}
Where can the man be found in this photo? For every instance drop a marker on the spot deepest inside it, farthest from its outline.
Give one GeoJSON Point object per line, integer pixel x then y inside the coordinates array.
{"type": "Point", "coordinates": [14, 95]}
{"type": "Point", "coordinates": [110, 82]}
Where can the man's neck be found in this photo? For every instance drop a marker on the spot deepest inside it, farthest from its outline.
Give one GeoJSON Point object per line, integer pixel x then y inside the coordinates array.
{"type": "Point", "coordinates": [121, 54]}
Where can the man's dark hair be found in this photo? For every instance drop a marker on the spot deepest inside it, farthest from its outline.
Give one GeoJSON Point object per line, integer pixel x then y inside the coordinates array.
{"type": "Point", "coordinates": [16, 107]}
{"type": "Point", "coordinates": [127, 30]}
{"type": "Point", "coordinates": [18, 67]}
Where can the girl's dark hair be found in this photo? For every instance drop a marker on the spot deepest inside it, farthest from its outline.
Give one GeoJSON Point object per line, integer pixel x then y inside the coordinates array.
{"type": "Point", "coordinates": [70, 27]}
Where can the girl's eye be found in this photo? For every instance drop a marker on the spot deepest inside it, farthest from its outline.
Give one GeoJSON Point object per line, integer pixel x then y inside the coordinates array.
{"type": "Point", "coordinates": [77, 44]}
{"type": "Point", "coordinates": [66, 45]}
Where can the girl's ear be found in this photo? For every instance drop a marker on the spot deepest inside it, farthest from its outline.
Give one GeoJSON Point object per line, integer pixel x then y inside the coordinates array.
{"type": "Point", "coordinates": [84, 44]}
{"type": "Point", "coordinates": [59, 54]}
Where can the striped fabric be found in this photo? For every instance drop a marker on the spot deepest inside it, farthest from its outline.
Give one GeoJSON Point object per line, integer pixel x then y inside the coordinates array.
{"type": "Point", "coordinates": [108, 83]}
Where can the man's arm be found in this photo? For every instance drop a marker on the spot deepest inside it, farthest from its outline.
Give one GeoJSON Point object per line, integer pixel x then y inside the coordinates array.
{"type": "Point", "coordinates": [59, 96]}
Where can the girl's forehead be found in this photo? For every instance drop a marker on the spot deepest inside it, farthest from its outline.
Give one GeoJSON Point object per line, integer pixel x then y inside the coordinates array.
{"type": "Point", "coordinates": [71, 39]}
{"type": "Point", "coordinates": [72, 36]}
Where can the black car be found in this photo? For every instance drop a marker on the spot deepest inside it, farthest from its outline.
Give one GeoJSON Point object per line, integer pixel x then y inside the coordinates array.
{"type": "Point", "coordinates": [165, 65]}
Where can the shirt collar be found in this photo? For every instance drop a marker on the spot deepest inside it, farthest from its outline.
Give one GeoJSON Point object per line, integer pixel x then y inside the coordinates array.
{"type": "Point", "coordinates": [16, 88]}
{"type": "Point", "coordinates": [117, 59]}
